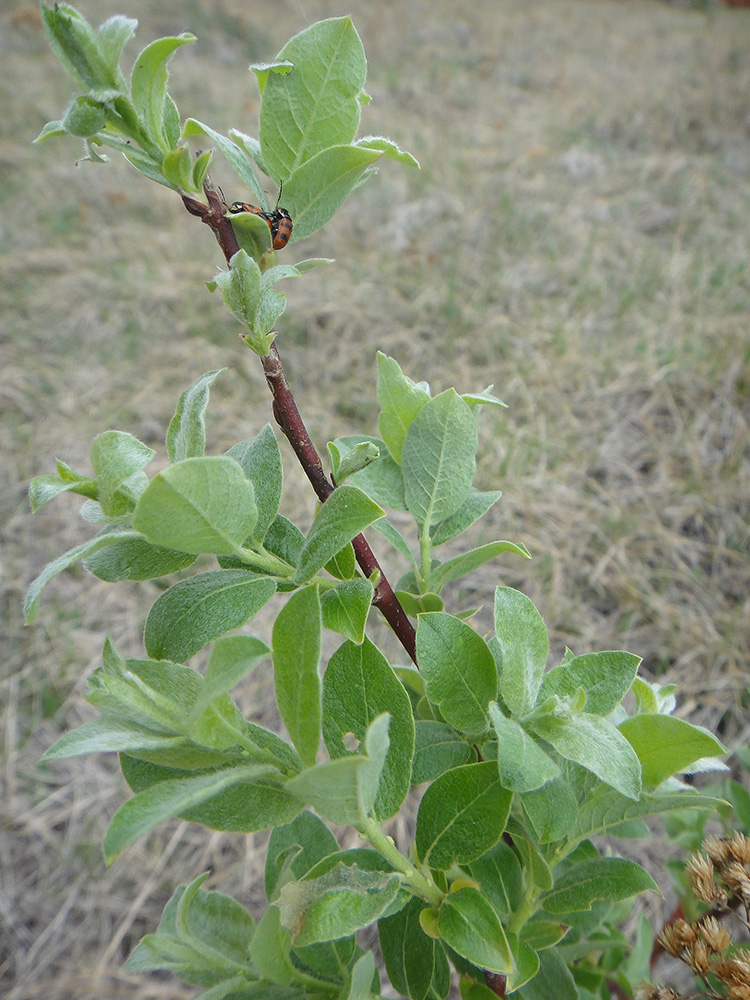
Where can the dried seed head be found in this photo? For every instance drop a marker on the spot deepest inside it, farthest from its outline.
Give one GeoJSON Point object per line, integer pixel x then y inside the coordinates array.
{"type": "Point", "coordinates": [698, 957]}
{"type": "Point", "coordinates": [734, 972]}
{"type": "Point", "coordinates": [647, 991]}
{"type": "Point", "coordinates": [738, 848]}
{"type": "Point", "coordinates": [677, 936]}
{"type": "Point", "coordinates": [737, 879]}
{"type": "Point", "coordinates": [700, 873]}
{"type": "Point", "coordinates": [716, 936]}
{"type": "Point", "coordinates": [717, 850]}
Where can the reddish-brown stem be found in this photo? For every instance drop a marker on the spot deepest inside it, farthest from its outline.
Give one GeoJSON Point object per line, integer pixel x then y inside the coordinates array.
{"type": "Point", "coordinates": [496, 982]}
{"type": "Point", "coordinates": [290, 421]}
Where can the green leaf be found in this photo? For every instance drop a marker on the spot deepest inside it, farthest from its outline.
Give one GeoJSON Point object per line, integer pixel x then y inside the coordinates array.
{"type": "Point", "coordinates": [235, 154]}
{"type": "Point", "coordinates": [438, 458]}
{"type": "Point", "coordinates": [343, 516]}
{"type": "Point", "coordinates": [171, 798]}
{"type": "Point", "coordinates": [666, 745]}
{"type": "Point", "coordinates": [605, 677]}
{"type": "Point", "coordinates": [365, 980]}
{"type": "Point", "coordinates": [198, 505]}
{"type": "Point", "coordinates": [521, 762]}
{"type": "Point", "coordinates": [270, 949]}
{"type": "Point", "coordinates": [597, 745]}
{"type": "Point", "coordinates": [355, 459]}
{"type": "Point", "coordinates": [524, 644]}
{"type": "Point", "coordinates": [358, 686]}
{"type": "Point", "coordinates": [500, 878]}
{"type": "Point", "coordinates": [337, 904]}
{"type": "Point", "coordinates": [260, 459]}
{"type": "Point", "coordinates": [85, 57]}
{"type": "Point", "coordinates": [317, 104]}
{"type": "Point", "coordinates": [551, 810]}
{"type": "Point", "coordinates": [612, 879]}
{"type": "Point", "coordinates": [388, 148]}
{"type": "Point", "coordinates": [606, 808]}
{"type": "Point", "coordinates": [84, 117]}
{"type": "Point", "coordinates": [400, 400]}
{"type": "Point", "coordinates": [186, 436]}
{"type": "Point", "coordinates": [204, 607]}
{"type": "Point", "coordinates": [295, 848]}
{"type": "Point", "coordinates": [202, 938]}
{"type": "Point", "coordinates": [468, 924]}
{"type": "Point", "coordinates": [437, 748]}
{"type": "Point", "coordinates": [148, 85]}
{"type": "Point", "coordinates": [105, 735]}
{"type": "Point", "coordinates": [231, 660]}
{"type": "Point", "coordinates": [135, 559]}
{"type": "Point", "coordinates": [117, 457]}
{"type": "Point", "coordinates": [541, 934]}
{"type": "Point", "coordinates": [318, 187]}
{"type": "Point", "coordinates": [471, 510]}
{"type": "Point", "coordinates": [525, 960]}
{"type": "Point", "coordinates": [342, 565]}
{"type": "Point", "coordinates": [458, 668]}
{"type": "Point", "coordinates": [454, 569]}
{"type": "Point", "coordinates": [255, 803]}
{"type": "Point", "coordinates": [346, 607]}
{"type": "Point", "coordinates": [554, 979]}
{"type": "Point", "coordinates": [412, 960]}
{"type": "Point", "coordinates": [67, 559]}
{"type": "Point", "coordinates": [344, 790]}
{"type": "Point", "coordinates": [42, 489]}
{"type": "Point", "coordinates": [381, 480]}
{"type": "Point", "coordinates": [296, 663]}
{"type": "Point", "coordinates": [461, 816]}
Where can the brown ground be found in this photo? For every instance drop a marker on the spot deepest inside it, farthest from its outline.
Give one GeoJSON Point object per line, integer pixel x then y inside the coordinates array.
{"type": "Point", "coordinates": [579, 235]}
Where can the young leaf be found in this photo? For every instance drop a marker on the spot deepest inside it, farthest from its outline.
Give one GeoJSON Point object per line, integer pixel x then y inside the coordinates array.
{"type": "Point", "coordinates": [461, 816]}
{"type": "Point", "coordinates": [346, 607]}
{"type": "Point", "coordinates": [344, 790]}
{"type": "Point", "coordinates": [106, 735]}
{"type": "Point", "coordinates": [260, 459]}
{"type": "Point", "coordinates": [317, 104]}
{"type": "Point", "coordinates": [475, 506]}
{"type": "Point", "coordinates": [388, 148]}
{"type": "Point", "coordinates": [74, 555]}
{"type": "Point", "coordinates": [198, 505]}
{"type": "Point", "coordinates": [458, 668]}
{"type": "Point", "coordinates": [270, 949]}
{"type": "Point", "coordinates": [400, 401]}
{"type": "Point", "coordinates": [500, 878]}
{"type": "Point", "coordinates": [454, 569]}
{"type": "Point", "coordinates": [551, 810]}
{"type": "Point", "coordinates": [116, 457]}
{"type": "Point", "coordinates": [358, 686]}
{"type": "Point", "coordinates": [343, 516]}
{"type": "Point", "coordinates": [523, 641]}
{"type": "Point", "coordinates": [204, 942]}
{"type": "Point", "coordinates": [468, 924]}
{"type": "Point", "coordinates": [438, 458]}
{"type": "Point", "coordinates": [525, 961]}
{"type": "Point", "coordinates": [437, 748]}
{"type": "Point", "coordinates": [554, 979]}
{"type": "Point", "coordinates": [171, 798]}
{"type": "Point", "coordinates": [186, 435]}
{"type": "Point", "coordinates": [235, 154]}
{"type": "Point", "coordinates": [605, 677]}
{"type": "Point", "coordinates": [343, 564]}
{"type": "Point", "coordinates": [231, 659]}
{"type": "Point", "coordinates": [135, 559]}
{"type": "Point", "coordinates": [666, 745]}
{"type": "Point", "coordinates": [201, 608]}
{"type": "Point", "coordinates": [336, 904]}
{"type": "Point", "coordinates": [296, 663]}
{"type": "Point", "coordinates": [318, 187]}
{"type": "Point", "coordinates": [293, 849]}
{"type": "Point", "coordinates": [596, 745]}
{"type": "Point", "coordinates": [81, 53]}
{"type": "Point", "coordinates": [521, 762]}
{"type": "Point", "coordinates": [612, 879]}
{"type": "Point", "coordinates": [411, 958]}
{"type": "Point", "coordinates": [148, 85]}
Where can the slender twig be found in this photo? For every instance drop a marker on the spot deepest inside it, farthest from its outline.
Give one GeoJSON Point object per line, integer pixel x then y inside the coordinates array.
{"type": "Point", "coordinates": [290, 421]}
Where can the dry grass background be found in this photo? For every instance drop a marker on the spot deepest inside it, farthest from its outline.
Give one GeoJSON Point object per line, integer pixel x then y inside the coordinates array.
{"type": "Point", "coordinates": [579, 235]}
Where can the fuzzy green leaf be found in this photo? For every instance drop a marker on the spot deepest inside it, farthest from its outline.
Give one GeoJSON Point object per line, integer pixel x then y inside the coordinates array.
{"type": "Point", "coordinates": [524, 644]}
{"type": "Point", "coordinates": [468, 924]}
{"type": "Point", "coordinates": [343, 516]}
{"type": "Point", "coordinates": [296, 663]}
{"type": "Point", "coordinates": [666, 745]}
{"type": "Point", "coordinates": [612, 879]}
{"type": "Point", "coordinates": [186, 435]}
{"type": "Point", "coordinates": [204, 607]}
{"type": "Point", "coordinates": [198, 505]}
